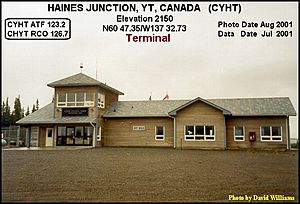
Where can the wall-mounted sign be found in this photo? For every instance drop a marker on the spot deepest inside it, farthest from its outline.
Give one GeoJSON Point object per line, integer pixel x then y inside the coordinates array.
{"type": "Point", "coordinates": [75, 112]}
{"type": "Point", "coordinates": [138, 127]}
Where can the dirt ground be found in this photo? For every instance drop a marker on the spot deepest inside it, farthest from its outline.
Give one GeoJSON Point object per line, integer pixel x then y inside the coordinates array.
{"type": "Point", "coordinates": [146, 174]}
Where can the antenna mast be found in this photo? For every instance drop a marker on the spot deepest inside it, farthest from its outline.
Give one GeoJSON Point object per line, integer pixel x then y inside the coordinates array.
{"type": "Point", "coordinates": [81, 67]}
{"type": "Point", "coordinates": [96, 68]}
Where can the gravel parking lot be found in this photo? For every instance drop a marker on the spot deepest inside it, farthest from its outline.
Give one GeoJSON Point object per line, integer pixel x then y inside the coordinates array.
{"type": "Point", "coordinates": [146, 174]}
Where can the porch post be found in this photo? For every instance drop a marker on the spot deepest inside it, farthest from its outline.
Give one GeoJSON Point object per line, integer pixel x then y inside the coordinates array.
{"type": "Point", "coordinates": [94, 136]}
{"type": "Point", "coordinates": [28, 136]}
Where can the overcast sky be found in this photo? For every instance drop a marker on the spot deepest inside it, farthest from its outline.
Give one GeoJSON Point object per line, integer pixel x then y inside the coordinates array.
{"type": "Point", "coordinates": [195, 63]}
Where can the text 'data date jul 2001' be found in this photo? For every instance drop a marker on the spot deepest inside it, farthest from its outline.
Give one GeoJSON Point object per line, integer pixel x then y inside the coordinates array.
{"type": "Point", "coordinates": [261, 29]}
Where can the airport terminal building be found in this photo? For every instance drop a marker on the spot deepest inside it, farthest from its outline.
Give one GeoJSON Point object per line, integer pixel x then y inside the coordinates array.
{"type": "Point", "coordinates": [86, 112]}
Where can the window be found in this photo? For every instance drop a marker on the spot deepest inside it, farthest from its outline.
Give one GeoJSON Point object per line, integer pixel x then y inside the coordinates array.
{"type": "Point", "coordinates": [210, 133]}
{"type": "Point", "coordinates": [71, 99]}
{"type": "Point", "coordinates": [239, 133]}
{"type": "Point", "coordinates": [79, 131]}
{"type": "Point", "coordinates": [80, 99]}
{"type": "Point", "coordinates": [70, 131]}
{"type": "Point", "coordinates": [88, 131]}
{"type": "Point", "coordinates": [199, 132]}
{"type": "Point", "coordinates": [74, 135]}
{"type": "Point", "coordinates": [101, 100]}
{"type": "Point", "coordinates": [89, 99]}
{"type": "Point", "coordinates": [271, 133]}
{"type": "Point", "coordinates": [49, 132]}
{"type": "Point", "coordinates": [189, 132]}
{"type": "Point", "coordinates": [61, 99]}
{"type": "Point", "coordinates": [276, 131]}
{"type": "Point", "coordinates": [159, 133]}
{"type": "Point", "coordinates": [88, 135]}
{"type": "Point", "coordinates": [75, 99]}
{"type": "Point", "coordinates": [61, 131]}
{"type": "Point", "coordinates": [79, 135]}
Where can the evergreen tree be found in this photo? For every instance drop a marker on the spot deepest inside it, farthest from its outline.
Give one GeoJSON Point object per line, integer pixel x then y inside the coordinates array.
{"type": "Point", "coordinates": [27, 112]}
{"type": "Point", "coordinates": [17, 112]}
{"type": "Point", "coordinates": [33, 109]}
{"type": "Point", "coordinates": [23, 113]}
{"type": "Point", "coordinates": [2, 114]}
{"type": "Point", "coordinates": [2, 108]}
{"type": "Point", "coordinates": [6, 116]}
{"type": "Point", "coordinates": [37, 104]}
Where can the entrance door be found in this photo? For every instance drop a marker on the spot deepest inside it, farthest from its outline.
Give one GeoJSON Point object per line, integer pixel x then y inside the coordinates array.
{"type": "Point", "coordinates": [49, 137]}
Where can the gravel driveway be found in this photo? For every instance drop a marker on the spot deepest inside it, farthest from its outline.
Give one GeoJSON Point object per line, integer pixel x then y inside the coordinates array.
{"type": "Point", "coordinates": [146, 174]}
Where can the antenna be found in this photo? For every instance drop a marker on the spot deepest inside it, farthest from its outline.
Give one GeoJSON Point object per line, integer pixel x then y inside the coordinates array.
{"type": "Point", "coordinates": [81, 67]}
{"type": "Point", "coordinates": [96, 68]}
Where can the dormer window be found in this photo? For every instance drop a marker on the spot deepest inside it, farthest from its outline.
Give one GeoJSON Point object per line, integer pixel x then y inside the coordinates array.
{"type": "Point", "coordinates": [75, 99]}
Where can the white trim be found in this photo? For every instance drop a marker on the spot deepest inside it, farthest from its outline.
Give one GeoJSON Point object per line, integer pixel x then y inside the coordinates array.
{"type": "Point", "coordinates": [99, 135]}
{"type": "Point", "coordinates": [92, 102]}
{"type": "Point", "coordinates": [204, 136]}
{"type": "Point", "coordinates": [239, 136]}
{"type": "Point", "coordinates": [101, 100]}
{"type": "Point", "coordinates": [85, 102]}
{"type": "Point", "coordinates": [49, 142]}
{"type": "Point", "coordinates": [70, 102]}
{"type": "Point", "coordinates": [160, 135]}
{"type": "Point", "coordinates": [270, 136]}
{"type": "Point", "coordinates": [63, 104]}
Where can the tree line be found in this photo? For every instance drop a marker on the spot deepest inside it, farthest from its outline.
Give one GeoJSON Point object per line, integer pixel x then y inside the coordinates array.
{"type": "Point", "coordinates": [10, 117]}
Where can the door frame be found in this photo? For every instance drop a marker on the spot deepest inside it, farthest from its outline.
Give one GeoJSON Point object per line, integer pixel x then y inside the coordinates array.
{"type": "Point", "coordinates": [49, 142]}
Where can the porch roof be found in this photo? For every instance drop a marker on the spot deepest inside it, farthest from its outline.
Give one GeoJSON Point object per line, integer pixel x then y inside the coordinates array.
{"type": "Point", "coordinates": [45, 115]}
